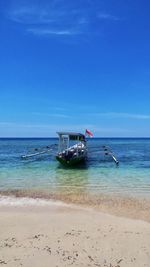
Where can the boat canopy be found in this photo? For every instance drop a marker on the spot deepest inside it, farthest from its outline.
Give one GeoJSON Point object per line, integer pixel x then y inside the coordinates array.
{"type": "Point", "coordinates": [72, 135]}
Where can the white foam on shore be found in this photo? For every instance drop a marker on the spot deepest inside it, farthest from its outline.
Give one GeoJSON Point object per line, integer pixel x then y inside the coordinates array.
{"type": "Point", "coordinates": [26, 201]}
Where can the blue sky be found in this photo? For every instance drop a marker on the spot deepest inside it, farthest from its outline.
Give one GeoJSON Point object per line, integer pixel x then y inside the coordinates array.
{"type": "Point", "coordinates": [71, 65]}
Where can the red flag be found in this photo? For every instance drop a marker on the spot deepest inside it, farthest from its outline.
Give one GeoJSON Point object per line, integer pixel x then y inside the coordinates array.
{"type": "Point", "coordinates": [89, 133]}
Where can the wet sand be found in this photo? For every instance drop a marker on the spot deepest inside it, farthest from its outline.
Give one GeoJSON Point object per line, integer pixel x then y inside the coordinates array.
{"type": "Point", "coordinates": [119, 205]}
{"type": "Point", "coordinates": [61, 236]}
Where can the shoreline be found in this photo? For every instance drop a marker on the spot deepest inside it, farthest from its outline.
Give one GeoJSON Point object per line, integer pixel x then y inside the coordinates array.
{"type": "Point", "coordinates": [121, 206]}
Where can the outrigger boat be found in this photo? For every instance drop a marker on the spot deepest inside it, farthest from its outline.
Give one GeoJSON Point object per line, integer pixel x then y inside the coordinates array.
{"type": "Point", "coordinates": [72, 148]}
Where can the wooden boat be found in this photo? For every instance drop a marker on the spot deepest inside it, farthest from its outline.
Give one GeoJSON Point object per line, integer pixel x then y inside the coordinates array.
{"type": "Point", "coordinates": [72, 148]}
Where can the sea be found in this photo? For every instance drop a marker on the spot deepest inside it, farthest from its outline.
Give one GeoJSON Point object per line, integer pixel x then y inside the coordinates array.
{"type": "Point", "coordinates": [99, 175]}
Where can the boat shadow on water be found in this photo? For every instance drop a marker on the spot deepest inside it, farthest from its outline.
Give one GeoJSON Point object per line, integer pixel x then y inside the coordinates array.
{"type": "Point", "coordinates": [81, 166]}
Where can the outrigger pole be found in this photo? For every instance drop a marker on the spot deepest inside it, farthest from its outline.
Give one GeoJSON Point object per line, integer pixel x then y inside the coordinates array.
{"type": "Point", "coordinates": [49, 148]}
{"type": "Point", "coordinates": [108, 151]}
{"type": "Point", "coordinates": [114, 158]}
{"type": "Point", "coordinates": [35, 154]}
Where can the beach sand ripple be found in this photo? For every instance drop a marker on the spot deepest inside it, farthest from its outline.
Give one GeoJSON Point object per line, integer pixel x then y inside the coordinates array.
{"type": "Point", "coordinates": [71, 236]}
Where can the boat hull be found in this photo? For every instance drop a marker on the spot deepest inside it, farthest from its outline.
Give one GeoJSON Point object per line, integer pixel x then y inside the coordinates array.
{"type": "Point", "coordinates": [71, 162]}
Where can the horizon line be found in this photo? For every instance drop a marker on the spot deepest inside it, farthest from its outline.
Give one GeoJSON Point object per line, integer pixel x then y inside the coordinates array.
{"type": "Point", "coordinates": [31, 137]}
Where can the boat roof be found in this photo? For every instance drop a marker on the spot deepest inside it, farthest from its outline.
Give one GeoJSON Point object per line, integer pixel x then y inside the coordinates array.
{"type": "Point", "coordinates": [70, 133]}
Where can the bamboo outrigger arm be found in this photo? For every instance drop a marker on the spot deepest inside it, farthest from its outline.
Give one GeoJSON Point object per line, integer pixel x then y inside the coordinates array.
{"type": "Point", "coordinates": [35, 154]}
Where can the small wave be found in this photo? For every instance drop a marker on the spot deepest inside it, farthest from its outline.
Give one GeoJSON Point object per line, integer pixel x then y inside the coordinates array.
{"type": "Point", "coordinates": [26, 201]}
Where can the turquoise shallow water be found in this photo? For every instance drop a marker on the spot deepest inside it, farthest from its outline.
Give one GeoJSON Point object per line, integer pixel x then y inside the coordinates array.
{"type": "Point", "coordinates": [98, 175]}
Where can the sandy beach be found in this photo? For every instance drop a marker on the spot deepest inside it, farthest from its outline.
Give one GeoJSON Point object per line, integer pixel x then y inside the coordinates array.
{"type": "Point", "coordinates": [68, 235]}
